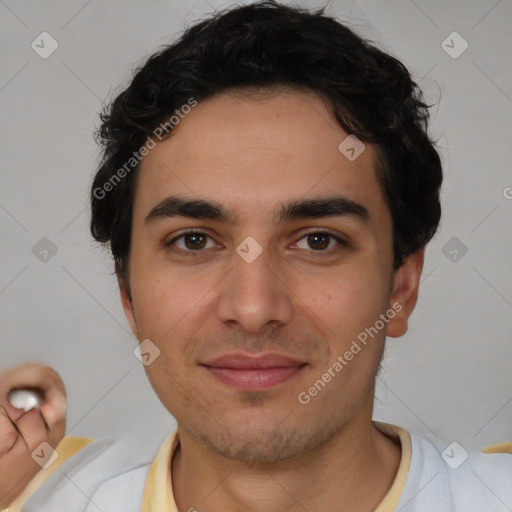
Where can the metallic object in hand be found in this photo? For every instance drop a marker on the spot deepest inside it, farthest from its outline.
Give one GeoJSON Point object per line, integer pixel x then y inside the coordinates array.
{"type": "Point", "coordinates": [26, 399]}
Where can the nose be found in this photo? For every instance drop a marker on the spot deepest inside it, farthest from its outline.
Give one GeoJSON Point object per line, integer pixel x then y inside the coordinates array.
{"type": "Point", "coordinates": [254, 296]}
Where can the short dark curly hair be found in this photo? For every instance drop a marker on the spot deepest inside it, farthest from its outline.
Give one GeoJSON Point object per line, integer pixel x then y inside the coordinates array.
{"type": "Point", "coordinates": [267, 45]}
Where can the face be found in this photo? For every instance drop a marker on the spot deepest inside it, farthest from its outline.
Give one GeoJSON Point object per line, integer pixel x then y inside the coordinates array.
{"type": "Point", "coordinates": [302, 282]}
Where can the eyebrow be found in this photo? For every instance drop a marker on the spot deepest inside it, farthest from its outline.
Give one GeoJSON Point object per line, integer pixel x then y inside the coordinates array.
{"type": "Point", "coordinates": [320, 207]}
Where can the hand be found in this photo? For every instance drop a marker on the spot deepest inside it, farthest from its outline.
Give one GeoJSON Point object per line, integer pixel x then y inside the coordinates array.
{"type": "Point", "coordinates": [22, 432]}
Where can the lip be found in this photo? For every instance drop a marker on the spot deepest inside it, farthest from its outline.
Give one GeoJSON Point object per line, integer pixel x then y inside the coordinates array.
{"type": "Point", "coordinates": [241, 361]}
{"type": "Point", "coordinates": [249, 373]}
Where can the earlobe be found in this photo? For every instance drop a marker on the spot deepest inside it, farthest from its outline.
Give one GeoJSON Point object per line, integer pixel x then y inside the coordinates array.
{"type": "Point", "coordinates": [405, 293]}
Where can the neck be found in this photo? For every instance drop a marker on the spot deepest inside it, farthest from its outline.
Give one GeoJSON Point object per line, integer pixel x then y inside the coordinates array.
{"type": "Point", "coordinates": [353, 471]}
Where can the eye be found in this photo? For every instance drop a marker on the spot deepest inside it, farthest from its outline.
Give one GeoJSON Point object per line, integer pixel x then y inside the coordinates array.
{"type": "Point", "coordinates": [195, 241]}
{"type": "Point", "coordinates": [191, 241]}
{"type": "Point", "coordinates": [320, 241]}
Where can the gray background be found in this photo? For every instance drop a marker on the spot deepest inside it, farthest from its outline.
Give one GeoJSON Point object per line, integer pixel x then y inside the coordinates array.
{"type": "Point", "coordinates": [449, 376]}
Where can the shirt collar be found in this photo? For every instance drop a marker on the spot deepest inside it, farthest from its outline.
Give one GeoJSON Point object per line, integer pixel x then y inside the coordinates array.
{"type": "Point", "coordinates": [158, 495]}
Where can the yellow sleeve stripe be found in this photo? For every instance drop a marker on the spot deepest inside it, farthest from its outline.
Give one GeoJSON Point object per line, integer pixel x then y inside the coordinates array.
{"type": "Point", "coordinates": [499, 448]}
{"type": "Point", "coordinates": [65, 450]}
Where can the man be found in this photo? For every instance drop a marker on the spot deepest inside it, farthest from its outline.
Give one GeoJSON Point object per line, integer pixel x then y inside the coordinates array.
{"type": "Point", "coordinates": [267, 189]}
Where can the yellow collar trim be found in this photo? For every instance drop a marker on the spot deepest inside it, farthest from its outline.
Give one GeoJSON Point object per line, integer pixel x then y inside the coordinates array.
{"type": "Point", "coordinates": [390, 501]}
{"type": "Point", "coordinates": [158, 495]}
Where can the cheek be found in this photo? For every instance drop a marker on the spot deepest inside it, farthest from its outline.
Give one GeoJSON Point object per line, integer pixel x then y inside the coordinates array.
{"type": "Point", "coordinates": [168, 302]}
{"type": "Point", "coordinates": [346, 301]}
{"type": "Point", "coordinates": [172, 303]}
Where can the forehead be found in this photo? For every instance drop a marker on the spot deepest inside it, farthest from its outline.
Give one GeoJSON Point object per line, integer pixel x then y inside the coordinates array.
{"type": "Point", "coordinates": [251, 152]}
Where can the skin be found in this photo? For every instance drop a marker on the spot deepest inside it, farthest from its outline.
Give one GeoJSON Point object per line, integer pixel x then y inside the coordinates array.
{"type": "Point", "coordinates": [22, 432]}
{"type": "Point", "coordinates": [264, 450]}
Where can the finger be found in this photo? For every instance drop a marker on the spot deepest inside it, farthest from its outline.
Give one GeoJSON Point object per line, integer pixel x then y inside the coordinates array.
{"type": "Point", "coordinates": [33, 429]}
{"type": "Point", "coordinates": [49, 432]}
{"type": "Point", "coordinates": [32, 375]}
{"type": "Point", "coordinates": [17, 466]}
{"type": "Point", "coordinates": [54, 412]}
{"type": "Point", "coordinates": [52, 387]}
{"type": "Point", "coordinates": [13, 412]}
{"type": "Point", "coordinates": [9, 433]}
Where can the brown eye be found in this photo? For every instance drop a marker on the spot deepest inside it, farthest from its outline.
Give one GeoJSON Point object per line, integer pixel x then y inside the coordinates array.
{"type": "Point", "coordinates": [320, 241]}
{"type": "Point", "coordinates": [192, 241]}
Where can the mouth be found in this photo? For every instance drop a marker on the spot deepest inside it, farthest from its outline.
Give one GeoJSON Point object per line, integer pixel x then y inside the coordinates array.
{"type": "Point", "coordinates": [248, 373]}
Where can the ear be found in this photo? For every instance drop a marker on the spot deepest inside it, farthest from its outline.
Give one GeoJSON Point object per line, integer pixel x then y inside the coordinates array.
{"type": "Point", "coordinates": [405, 293]}
{"type": "Point", "coordinates": [126, 300]}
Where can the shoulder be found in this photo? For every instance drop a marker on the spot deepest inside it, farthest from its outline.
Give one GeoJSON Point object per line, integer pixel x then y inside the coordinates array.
{"type": "Point", "coordinates": [447, 476]}
{"type": "Point", "coordinates": [103, 466]}
{"type": "Point", "coordinates": [121, 493]}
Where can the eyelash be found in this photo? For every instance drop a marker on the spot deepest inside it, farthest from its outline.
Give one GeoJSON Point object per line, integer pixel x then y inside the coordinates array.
{"type": "Point", "coordinates": [192, 253]}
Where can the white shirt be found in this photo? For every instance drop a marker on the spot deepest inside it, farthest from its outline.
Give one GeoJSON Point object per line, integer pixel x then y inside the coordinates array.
{"type": "Point", "coordinates": [433, 476]}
